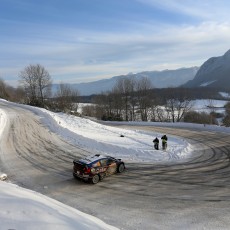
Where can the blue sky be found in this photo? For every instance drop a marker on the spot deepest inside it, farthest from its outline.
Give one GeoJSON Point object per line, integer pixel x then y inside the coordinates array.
{"type": "Point", "coordinates": [87, 40]}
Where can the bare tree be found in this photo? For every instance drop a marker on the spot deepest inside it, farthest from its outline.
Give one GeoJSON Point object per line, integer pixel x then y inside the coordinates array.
{"type": "Point", "coordinates": [133, 97]}
{"type": "Point", "coordinates": [178, 104]}
{"type": "Point", "coordinates": [143, 91]}
{"type": "Point", "coordinates": [200, 118]}
{"type": "Point", "coordinates": [10, 93]}
{"type": "Point", "coordinates": [127, 98]}
{"type": "Point", "coordinates": [161, 114]}
{"type": "Point", "coordinates": [67, 98]}
{"type": "Point", "coordinates": [171, 108]}
{"type": "Point", "coordinates": [101, 111]}
{"type": "Point", "coordinates": [89, 110]}
{"type": "Point", "coordinates": [125, 87]}
{"type": "Point", "coordinates": [183, 107]}
{"type": "Point", "coordinates": [19, 95]}
{"type": "Point", "coordinates": [117, 104]}
{"type": "Point", "coordinates": [44, 81]}
{"type": "Point", "coordinates": [3, 90]}
{"type": "Point", "coordinates": [211, 105]}
{"type": "Point", "coordinates": [226, 120]}
{"type": "Point", "coordinates": [36, 81]}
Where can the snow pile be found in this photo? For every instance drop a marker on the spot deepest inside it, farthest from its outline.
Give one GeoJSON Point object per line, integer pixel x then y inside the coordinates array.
{"type": "Point", "coordinates": [3, 119]}
{"type": "Point", "coordinates": [95, 138]}
{"type": "Point", "coordinates": [24, 209]}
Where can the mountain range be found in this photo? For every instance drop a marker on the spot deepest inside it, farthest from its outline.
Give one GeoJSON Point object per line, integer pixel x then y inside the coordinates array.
{"type": "Point", "coordinates": [159, 79]}
{"type": "Point", "coordinates": [214, 73]}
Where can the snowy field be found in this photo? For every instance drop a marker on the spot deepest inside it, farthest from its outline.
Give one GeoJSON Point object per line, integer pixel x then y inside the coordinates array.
{"type": "Point", "coordinates": [204, 105]}
{"type": "Point", "coordinates": [21, 206]}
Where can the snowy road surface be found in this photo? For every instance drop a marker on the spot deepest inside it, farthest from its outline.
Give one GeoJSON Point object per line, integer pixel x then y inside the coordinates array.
{"type": "Point", "coordinates": [191, 193]}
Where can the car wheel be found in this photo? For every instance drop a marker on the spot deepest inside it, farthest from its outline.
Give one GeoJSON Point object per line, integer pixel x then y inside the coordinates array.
{"type": "Point", "coordinates": [95, 179]}
{"type": "Point", "coordinates": [75, 176]}
{"type": "Point", "coordinates": [102, 176]}
{"type": "Point", "coordinates": [121, 168]}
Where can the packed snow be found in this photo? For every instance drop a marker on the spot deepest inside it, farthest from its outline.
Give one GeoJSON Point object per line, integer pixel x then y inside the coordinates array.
{"type": "Point", "coordinates": [25, 209]}
{"type": "Point", "coordinates": [96, 138]}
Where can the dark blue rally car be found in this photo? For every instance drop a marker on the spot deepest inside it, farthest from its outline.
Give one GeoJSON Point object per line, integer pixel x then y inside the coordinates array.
{"type": "Point", "coordinates": [95, 168]}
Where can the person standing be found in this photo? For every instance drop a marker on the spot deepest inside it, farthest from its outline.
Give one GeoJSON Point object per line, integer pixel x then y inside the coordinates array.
{"type": "Point", "coordinates": [156, 143]}
{"type": "Point", "coordinates": [164, 140]}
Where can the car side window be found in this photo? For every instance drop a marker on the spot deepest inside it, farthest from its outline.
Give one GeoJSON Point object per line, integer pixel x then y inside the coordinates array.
{"type": "Point", "coordinates": [103, 162]}
{"type": "Point", "coordinates": [96, 164]}
{"type": "Point", "coordinates": [110, 161]}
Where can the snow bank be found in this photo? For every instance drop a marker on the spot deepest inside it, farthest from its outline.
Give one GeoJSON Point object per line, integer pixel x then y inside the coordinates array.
{"type": "Point", "coordinates": [24, 209]}
{"type": "Point", "coordinates": [135, 146]}
{"type": "Point", "coordinates": [3, 119]}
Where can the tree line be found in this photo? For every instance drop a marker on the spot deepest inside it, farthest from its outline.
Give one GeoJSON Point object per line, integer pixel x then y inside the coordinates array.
{"type": "Point", "coordinates": [130, 99]}
{"type": "Point", "coordinates": [133, 99]}
{"type": "Point", "coordinates": [35, 89]}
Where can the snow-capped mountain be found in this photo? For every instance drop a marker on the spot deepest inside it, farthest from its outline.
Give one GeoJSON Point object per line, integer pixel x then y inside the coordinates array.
{"type": "Point", "coordinates": [214, 73]}
{"type": "Point", "coordinates": [159, 79]}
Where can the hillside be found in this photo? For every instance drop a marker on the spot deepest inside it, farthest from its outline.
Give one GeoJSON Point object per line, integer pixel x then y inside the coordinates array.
{"type": "Point", "coordinates": [214, 73]}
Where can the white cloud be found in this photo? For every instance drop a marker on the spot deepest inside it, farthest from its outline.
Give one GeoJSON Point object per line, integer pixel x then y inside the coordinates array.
{"type": "Point", "coordinates": [83, 55]}
{"type": "Point", "coordinates": [206, 9]}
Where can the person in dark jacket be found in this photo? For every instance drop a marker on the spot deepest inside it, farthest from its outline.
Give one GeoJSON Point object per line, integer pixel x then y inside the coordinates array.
{"type": "Point", "coordinates": [156, 143]}
{"type": "Point", "coordinates": [164, 140]}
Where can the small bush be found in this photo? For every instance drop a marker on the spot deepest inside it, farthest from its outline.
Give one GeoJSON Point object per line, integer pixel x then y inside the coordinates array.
{"type": "Point", "coordinates": [200, 118]}
{"type": "Point", "coordinates": [226, 120]}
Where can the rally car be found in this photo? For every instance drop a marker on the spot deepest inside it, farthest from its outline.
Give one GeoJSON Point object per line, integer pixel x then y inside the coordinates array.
{"type": "Point", "coordinates": [95, 168]}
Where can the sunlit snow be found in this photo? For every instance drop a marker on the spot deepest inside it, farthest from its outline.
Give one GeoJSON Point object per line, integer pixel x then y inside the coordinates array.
{"type": "Point", "coordinates": [24, 209]}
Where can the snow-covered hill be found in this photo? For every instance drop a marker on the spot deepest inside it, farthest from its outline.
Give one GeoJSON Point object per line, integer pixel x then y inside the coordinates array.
{"type": "Point", "coordinates": [214, 73]}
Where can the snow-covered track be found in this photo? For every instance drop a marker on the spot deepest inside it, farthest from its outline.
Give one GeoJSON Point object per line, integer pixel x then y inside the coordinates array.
{"type": "Point", "coordinates": [193, 193]}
